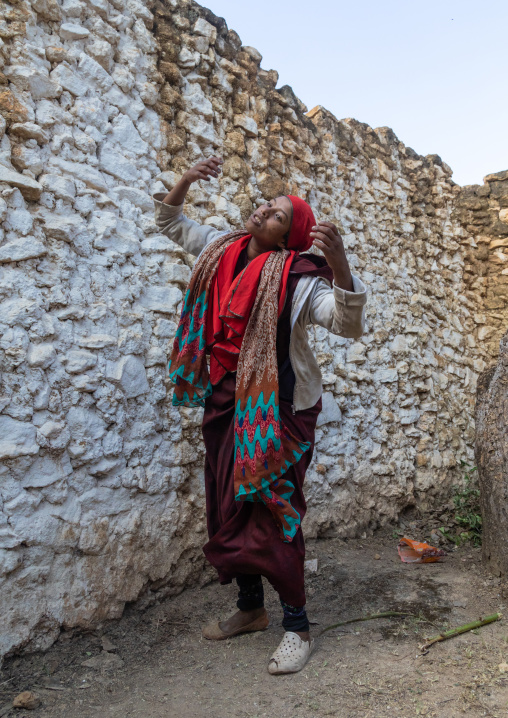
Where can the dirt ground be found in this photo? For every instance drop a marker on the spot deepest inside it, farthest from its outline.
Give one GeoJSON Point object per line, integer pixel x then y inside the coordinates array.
{"type": "Point", "coordinates": [156, 664]}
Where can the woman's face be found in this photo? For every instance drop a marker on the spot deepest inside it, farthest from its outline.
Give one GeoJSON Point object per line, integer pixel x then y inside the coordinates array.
{"type": "Point", "coordinates": [270, 222]}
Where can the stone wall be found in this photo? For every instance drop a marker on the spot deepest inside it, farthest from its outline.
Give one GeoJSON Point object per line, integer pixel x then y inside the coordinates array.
{"type": "Point", "coordinates": [101, 497]}
{"type": "Point", "coordinates": [483, 212]}
{"type": "Point", "coordinates": [491, 452]}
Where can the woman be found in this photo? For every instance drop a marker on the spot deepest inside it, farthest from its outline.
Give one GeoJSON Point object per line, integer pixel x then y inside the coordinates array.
{"type": "Point", "coordinates": [250, 298]}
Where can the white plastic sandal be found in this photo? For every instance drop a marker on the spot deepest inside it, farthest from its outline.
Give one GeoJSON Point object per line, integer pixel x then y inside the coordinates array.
{"type": "Point", "coordinates": [291, 655]}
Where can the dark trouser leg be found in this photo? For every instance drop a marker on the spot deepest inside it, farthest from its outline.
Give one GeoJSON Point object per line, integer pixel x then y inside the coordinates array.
{"type": "Point", "coordinates": [295, 618]}
{"type": "Point", "coordinates": [250, 594]}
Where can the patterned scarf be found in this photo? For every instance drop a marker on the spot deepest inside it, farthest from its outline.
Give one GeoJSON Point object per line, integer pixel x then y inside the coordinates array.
{"type": "Point", "coordinates": [235, 320]}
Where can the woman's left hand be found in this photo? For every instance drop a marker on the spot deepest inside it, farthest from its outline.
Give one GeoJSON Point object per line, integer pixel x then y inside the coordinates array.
{"type": "Point", "coordinates": [328, 240]}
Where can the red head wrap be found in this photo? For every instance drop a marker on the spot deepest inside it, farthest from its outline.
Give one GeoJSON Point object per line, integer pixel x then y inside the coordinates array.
{"type": "Point", "coordinates": [301, 225]}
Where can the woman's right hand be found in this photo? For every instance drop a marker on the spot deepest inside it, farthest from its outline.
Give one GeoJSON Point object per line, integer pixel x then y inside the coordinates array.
{"type": "Point", "coordinates": [204, 170]}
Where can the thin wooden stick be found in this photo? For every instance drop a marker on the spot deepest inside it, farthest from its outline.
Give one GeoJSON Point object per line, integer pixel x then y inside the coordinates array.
{"type": "Point", "coordinates": [385, 614]}
{"type": "Point", "coordinates": [461, 629]}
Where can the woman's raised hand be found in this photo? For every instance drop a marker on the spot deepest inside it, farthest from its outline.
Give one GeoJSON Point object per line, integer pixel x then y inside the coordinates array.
{"type": "Point", "coordinates": [204, 170]}
{"type": "Point", "coordinates": [326, 237]}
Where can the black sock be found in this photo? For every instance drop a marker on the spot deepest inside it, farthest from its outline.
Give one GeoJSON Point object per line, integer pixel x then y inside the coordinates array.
{"type": "Point", "coordinates": [251, 594]}
{"type": "Point", "coordinates": [295, 618]}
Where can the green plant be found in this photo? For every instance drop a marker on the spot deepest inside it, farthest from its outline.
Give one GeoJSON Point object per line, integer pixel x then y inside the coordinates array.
{"type": "Point", "coordinates": [466, 500]}
{"type": "Point", "coordinates": [467, 506]}
{"type": "Point", "coordinates": [448, 536]}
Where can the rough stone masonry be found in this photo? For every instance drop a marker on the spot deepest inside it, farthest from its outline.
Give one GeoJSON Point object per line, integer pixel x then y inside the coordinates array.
{"type": "Point", "coordinates": [101, 497]}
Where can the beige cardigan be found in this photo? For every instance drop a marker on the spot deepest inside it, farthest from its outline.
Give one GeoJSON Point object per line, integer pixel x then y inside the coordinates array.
{"type": "Point", "coordinates": [314, 302]}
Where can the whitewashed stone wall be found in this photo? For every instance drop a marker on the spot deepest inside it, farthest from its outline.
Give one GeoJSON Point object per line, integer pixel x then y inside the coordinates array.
{"type": "Point", "coordinates": [101, 496]}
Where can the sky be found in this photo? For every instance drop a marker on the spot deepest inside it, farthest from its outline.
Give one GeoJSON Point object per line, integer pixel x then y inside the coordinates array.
{"type": "Point", "coordinates": [435, 71]}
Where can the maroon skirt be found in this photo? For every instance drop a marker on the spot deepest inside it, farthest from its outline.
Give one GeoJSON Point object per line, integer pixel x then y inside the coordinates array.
{"type": "Point", "coordinates": [244, 538]}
